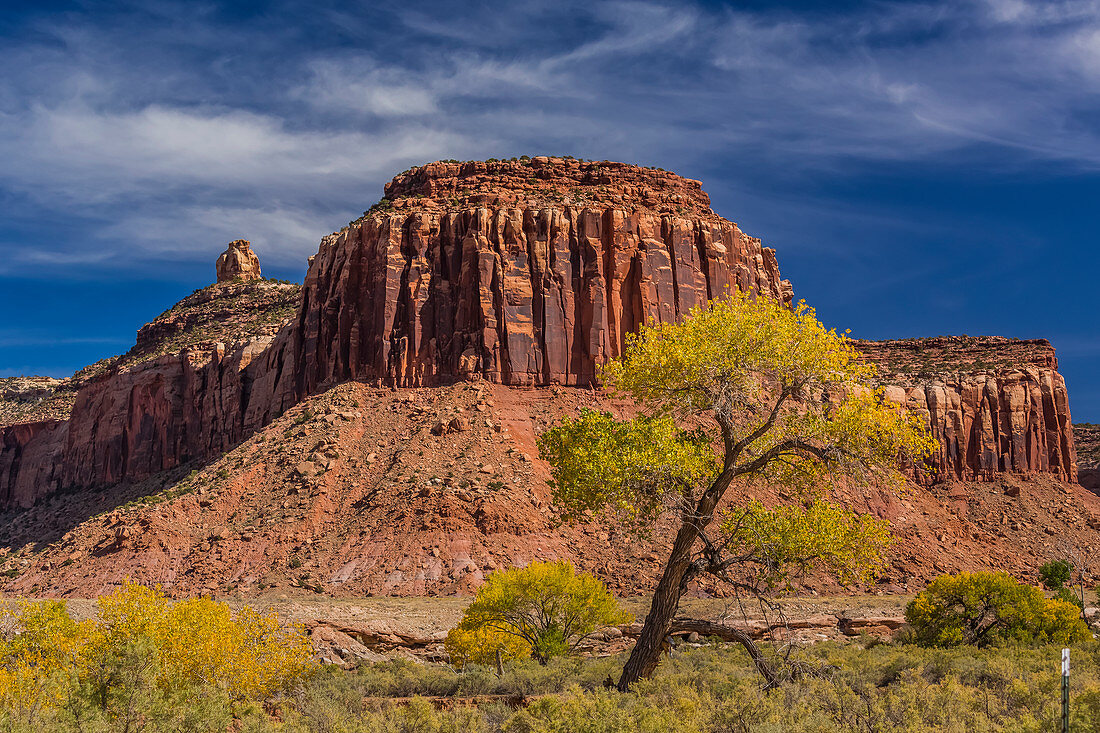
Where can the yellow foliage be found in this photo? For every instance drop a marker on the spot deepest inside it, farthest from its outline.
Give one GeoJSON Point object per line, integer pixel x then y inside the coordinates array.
{"type": "Point", "coordinates": [744, 342]}
{"type": "Point", "coordinates": [546, 607]}
{"type": "Point", "coordinates": [787, 540]}
{"type": "Point", "coordinates": [735, 359]}
{"type": "Point", "coordinates": [985, 608]}
{"type": "Point", "coordinates": [192, 642]}
{"type": "Point", "coordinates": [40, 642]}
{"type": "Point", "coordinates": [199, 641]}
{"type": "Point", "coordinates": [480, 646]}
{"type": "Point", "coordinates": [623, 467]}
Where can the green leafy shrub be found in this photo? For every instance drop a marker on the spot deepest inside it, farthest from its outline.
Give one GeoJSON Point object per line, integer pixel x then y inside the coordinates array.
{"type": "Point", "coordinates": [1055, 574]}
{"type": "Point", "coordinates": [986, 608]}
{"type": "Point", "coordinates": [1067, 595]}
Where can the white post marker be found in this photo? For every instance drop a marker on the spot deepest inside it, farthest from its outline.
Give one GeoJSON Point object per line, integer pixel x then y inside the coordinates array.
{"type": "Point", "coordinates": [1065, 691]}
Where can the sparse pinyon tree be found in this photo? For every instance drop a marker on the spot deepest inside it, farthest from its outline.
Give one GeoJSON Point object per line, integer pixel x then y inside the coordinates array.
{"type": "Point", "coordinates": [744, 390]}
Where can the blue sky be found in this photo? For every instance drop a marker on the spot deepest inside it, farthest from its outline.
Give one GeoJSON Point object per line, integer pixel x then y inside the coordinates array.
{"type": "Point", "coordinates": [921, 168]}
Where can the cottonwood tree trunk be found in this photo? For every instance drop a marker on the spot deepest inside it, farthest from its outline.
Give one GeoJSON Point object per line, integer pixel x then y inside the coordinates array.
{"type": "Point", "coordinates": [666, 600]}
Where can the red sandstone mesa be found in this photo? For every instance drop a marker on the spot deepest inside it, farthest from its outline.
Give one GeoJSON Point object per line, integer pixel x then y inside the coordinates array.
{"type": "Point", "coordinates": [526, 273]}
{"type": "Point", "coordinates": [523, 290]}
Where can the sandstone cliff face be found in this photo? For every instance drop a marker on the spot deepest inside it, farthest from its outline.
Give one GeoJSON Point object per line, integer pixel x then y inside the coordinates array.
{"type": "Point", "coordinates": [29, 465]}
{"type": "Point", "coordinates": [192, 405]}
{"type": "Point", "coordinates": [136, 422]}
{"type": "Point", "coordinates": [537, 284]}
{"type": "Point", "coordinates": [995, 405]}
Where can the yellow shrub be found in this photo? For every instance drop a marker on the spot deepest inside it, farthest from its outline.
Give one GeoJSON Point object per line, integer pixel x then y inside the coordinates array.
{"type": "Point", "coordinates": [547, 606]}
{"type": "Point", "coordinates": [480, 646]}
{"type": "Point", "coordinates": [985, 608]}
{"type": "Point", "coordinates": [199, 642]}
{"type": "Point", "coordinates": [192, 643]}
{"type": "Point", "coordinates": [40, 641]}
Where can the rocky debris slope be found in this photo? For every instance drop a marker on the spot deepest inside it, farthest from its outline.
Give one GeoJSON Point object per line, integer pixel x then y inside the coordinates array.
{"type": "Point", "coordinates": [994, 404]}
{"type": "Point", "coordinates": [238, 262]}
{"type": "Point", "coordinates": [364, 491]}
{"type": "Point", "coordinates": [230, 313]}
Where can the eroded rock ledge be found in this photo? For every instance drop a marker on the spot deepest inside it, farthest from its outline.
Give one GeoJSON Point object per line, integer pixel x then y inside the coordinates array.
{"type": "Point", "coordinates": [994, 404]}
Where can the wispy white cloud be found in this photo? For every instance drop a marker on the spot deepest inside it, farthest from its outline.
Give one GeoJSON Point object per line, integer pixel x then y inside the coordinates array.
{"type": "Point", "coordinates": [363, 86]}
{"type": "Point", "coordinates": [279, 236]}
{"type": "Point", "coordinates": [96, 155]}
{"type": "Point", "coordinates": [160, 144]}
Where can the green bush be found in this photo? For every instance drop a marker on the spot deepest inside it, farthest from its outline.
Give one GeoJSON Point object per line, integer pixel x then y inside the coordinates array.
{"type": "Point", "coordinates": [987, 608]}
{"type": "Point", "coordinates": [1069, 596]}
{"type": "Point", "coordinates": [1055, 574]}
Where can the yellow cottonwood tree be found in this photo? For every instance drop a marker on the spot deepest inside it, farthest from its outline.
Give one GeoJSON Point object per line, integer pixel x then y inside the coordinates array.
{"type": "Point", "coordinates": [742, 390]}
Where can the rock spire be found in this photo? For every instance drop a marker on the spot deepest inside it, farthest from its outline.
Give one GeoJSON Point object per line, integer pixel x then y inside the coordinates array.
{"type": "Point", "coordinates": [238, 262]}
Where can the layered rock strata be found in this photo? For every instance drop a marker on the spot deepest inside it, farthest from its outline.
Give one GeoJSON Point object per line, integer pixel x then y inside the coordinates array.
{"type": "Point", "coordinates": [537, 283]}
{"type": "Point", "coordinates": [994, 404]}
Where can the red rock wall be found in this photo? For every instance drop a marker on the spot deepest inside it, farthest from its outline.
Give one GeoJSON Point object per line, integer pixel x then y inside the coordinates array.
{"type": "Point", "coordinates": [191, 405]}
{"type": "Point", "coordinates": [29, 466]}
{"type": "Point", "coordinates": [995, 405]}
{"type": "Point", "coordinates": [519, 296]}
